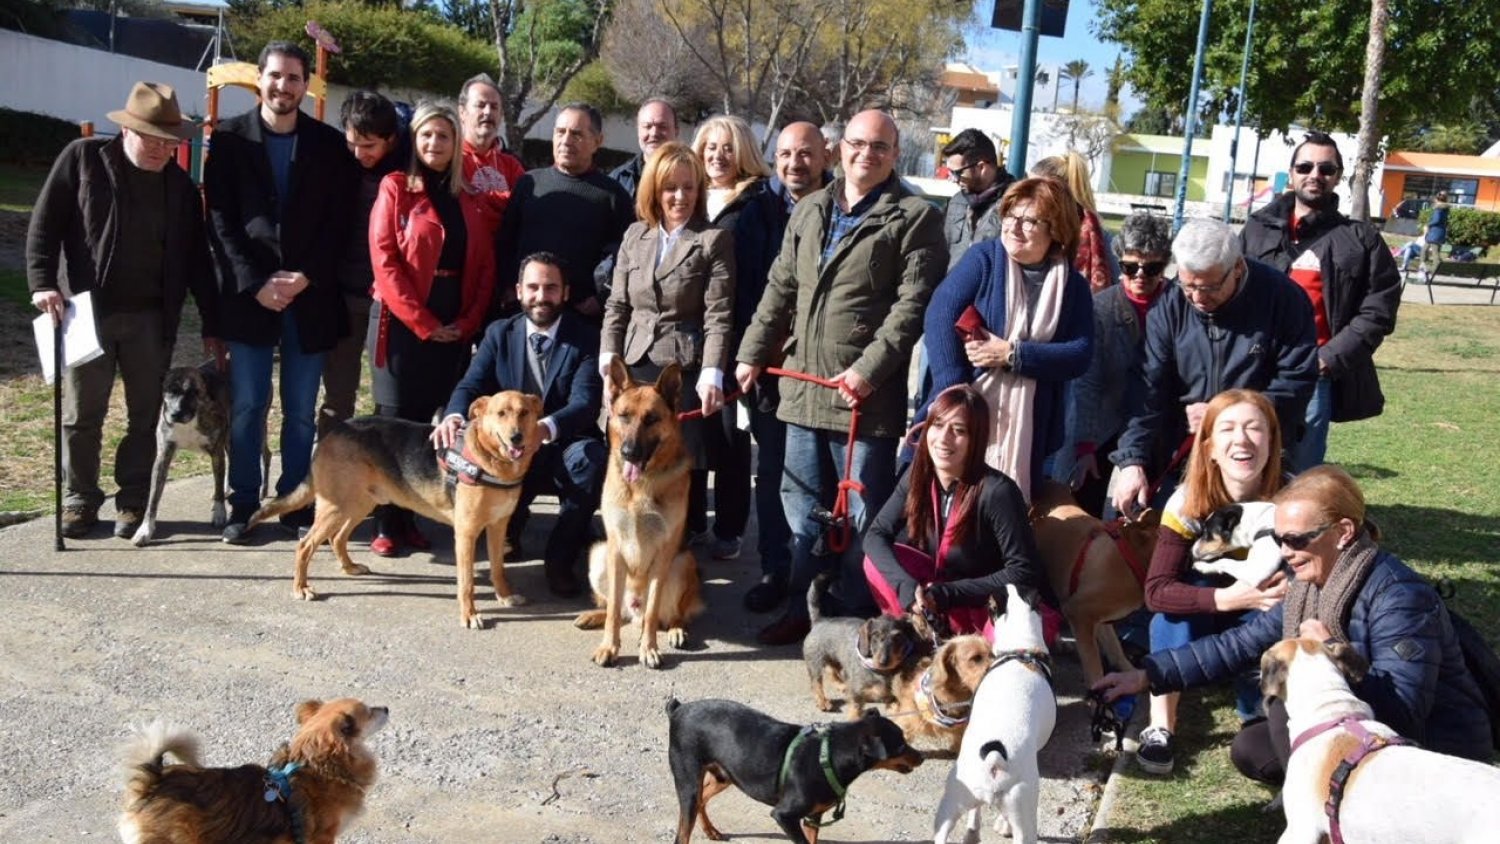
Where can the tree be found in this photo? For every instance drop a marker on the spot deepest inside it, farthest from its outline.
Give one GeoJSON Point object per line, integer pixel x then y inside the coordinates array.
{"type": "Point", "coordinates": [541, 46]}
{"type": "Point", "coordinates": [1076, 70]}
{"type": "Point", "coordinates": [646, 57]}
{"type": "Point", "coordinates": [1367, 148]}
{"type": "Point", "coordinates": [1116, 82]}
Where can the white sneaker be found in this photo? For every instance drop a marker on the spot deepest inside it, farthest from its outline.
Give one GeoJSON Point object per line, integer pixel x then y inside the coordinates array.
{"type": "Point", "coordinates": [1154, 753]}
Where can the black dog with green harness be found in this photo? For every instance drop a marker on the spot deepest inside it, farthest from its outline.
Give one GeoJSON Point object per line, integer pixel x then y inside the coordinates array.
{"type": "Point", "coordinates": [801, 772]}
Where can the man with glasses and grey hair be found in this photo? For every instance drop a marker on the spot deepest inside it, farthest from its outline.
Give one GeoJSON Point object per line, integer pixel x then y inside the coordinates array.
{"type": "Point", "coordinates": [1348, 274]}
{"type": "Point", "coordinates": [1227, 322]}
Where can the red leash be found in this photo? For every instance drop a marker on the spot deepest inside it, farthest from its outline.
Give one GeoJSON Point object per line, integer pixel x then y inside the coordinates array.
{"type": "Point", "coordinates": [1177, 457]}
{"type": "Point", "coordinates": [839, 530]}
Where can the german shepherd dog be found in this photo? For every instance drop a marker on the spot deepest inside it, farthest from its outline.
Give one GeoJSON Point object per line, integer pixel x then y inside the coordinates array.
{"type": "Point", "coordinates": [374, 460]}
{"type": "Point", "coordinates": [194, 414]}
{"type": "Point", "coordinates": [641, 571]}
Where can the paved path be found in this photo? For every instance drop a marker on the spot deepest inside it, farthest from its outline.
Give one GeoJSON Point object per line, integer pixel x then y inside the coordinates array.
{"type": "Point", "coordinates": [483, 723]}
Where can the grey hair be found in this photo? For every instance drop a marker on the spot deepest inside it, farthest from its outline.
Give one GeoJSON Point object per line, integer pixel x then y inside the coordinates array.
{"type": "Point", "coordinates": [1203, 245]}
{"type": "Point", "coordinates": [1144, 234]}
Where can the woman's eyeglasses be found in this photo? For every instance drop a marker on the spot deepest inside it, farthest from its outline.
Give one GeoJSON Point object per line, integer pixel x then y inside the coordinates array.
{"type": "Point", "coordinates": [1325, 168]}
{"type": "Point", "coordinates": [1027, 225]}
{"type": "Point", "coordinates": [1299, 541]}
{"type": "Point", "coordinates": [1152, 269]}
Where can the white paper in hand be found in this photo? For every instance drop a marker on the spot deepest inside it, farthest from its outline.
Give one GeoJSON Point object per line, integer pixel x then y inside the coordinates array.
{"type": "Point", "coordinates": [80, 337]}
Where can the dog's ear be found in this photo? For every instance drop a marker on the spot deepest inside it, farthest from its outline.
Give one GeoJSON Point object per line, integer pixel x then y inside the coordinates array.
{"type": "Point", "coordinates": [477, 406]}
{"type": "Point", "coordinates": [619, 376]}
{"type": "Point", "coordinates": [1349, 662]}
{"type": "Point", "coordinates": [535, 404]}
{"type": "Point", "coordinates": [862, 639]}
{"type": "Point", "coordinates": [307, 709]}
{"type": "Point", "coordinates": [1273, 668]}
{"type": "Point", "coordinates": [1031, 596]}
{"type": "Point", "coordinates": [997, 603]}
{"type": "Point", "coordinates": [669, 384]}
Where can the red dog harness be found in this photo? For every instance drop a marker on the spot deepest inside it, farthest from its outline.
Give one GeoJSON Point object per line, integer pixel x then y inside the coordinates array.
{"type": "Point", "coordinates": [1137, 566]}
{"type": "Point", "coordinates": [1368, 743]}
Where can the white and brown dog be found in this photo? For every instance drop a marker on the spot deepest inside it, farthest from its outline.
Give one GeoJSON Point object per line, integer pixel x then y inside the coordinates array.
{"type": "Point", "coordinates": [1012, 718]}
{"type": "Point", "coordinates": [1396, 793]}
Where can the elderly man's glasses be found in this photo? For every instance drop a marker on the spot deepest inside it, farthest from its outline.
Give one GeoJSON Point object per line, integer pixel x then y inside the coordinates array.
{"type": "Point", "coordinates": [1299, 541]}
{"type": "Point", "coordinates": [1027, 225]}
{"type": "Point", "coordinates": [1152, 269]}
{"type": "Point", "coordinates": [1324, 168]}
{"type": "Point", "coordinates": [1206, 289]}
{"type": "Point", "coordinates": [874, 147]}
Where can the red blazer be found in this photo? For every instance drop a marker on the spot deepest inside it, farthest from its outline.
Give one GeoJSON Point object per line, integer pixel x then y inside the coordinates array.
{"type": "Point", "coordinates": [406, 238]}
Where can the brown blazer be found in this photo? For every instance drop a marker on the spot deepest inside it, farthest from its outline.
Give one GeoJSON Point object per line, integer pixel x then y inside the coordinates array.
{"type": "Point", "coordinates": [679, 311]}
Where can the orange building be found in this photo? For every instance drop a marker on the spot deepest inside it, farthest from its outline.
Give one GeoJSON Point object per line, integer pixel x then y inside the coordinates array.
{"type": "Point", "coordinates": [1470, 180]}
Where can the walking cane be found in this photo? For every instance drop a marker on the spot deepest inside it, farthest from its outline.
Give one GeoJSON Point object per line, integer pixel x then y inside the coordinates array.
{"type": "Point", "coordinates": [57, 467]}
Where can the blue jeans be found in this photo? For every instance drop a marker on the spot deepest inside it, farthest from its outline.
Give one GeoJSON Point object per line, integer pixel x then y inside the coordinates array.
{"type": "Point", "coordinates": [250, 392]}
{"type": "Point", "coordinates": [1313, 447]}
{"type": "Point", "coordinates": [773, 534]}
{"type": "Point", "coordinates": [1170, 631]}
{"type": "Point", "coordinates": [814, 464]}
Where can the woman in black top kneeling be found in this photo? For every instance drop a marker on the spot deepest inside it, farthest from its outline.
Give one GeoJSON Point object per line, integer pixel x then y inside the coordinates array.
{"type": "Point", "coordinates": [954, 531]}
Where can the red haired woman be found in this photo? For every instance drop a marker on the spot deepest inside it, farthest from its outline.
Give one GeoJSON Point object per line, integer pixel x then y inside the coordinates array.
{"type": "Point", "coordinates": [954, 531]}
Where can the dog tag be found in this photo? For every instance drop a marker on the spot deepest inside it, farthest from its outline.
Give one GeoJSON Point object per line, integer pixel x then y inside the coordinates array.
{"type": "Point", "coordinates": [272, 795]}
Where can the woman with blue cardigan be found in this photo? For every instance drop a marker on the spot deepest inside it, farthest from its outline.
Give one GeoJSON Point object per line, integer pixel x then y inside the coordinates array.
{"type": "Point", "coordinates": [1016, 320]}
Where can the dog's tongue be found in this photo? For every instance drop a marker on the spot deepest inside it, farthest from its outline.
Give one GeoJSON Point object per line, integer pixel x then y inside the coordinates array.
{"type": "Point", "coordinates": [632, 472]}
{"type": "Point", "coordinates": [516, 452]}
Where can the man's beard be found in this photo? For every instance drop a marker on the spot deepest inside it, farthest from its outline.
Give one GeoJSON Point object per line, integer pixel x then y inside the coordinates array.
{"type": "Point", "coordinates": [536, 313]}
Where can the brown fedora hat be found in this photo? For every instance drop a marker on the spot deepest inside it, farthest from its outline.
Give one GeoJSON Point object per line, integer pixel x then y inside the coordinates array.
{"type": "Point", "coordinates": [152, 110]}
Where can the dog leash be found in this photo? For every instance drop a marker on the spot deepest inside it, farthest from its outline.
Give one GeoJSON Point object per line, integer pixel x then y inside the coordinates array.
{"type": "Point", "coordinates": [839, 532]}
{"type": "Point", "coordinates": [278, 783]}
{"type": "Point", "coordinates": [1177, 457]}
{"type": "Point", "coordinates": [825, 760]}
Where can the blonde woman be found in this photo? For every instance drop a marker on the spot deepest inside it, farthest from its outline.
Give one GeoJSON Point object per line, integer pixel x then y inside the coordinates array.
{"type": "Point", "coordinates": [1092, 256]}
{"type": "Point", "coordinates": [728, 150]}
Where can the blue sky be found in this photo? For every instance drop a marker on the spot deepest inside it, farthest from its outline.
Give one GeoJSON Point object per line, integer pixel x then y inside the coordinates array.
{"type": "Point", "coordinates": [991, 49]}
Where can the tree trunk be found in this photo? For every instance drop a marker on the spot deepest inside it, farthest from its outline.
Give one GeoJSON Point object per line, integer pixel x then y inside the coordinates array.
{"type": "Point", "coordinates": [1369, 113]}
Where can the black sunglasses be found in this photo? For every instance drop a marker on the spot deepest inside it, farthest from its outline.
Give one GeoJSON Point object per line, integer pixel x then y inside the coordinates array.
{"type": "Point", "coordinates": [1325, 168]}
{"type": "Point", "coordinates": [1152, 268]}
{"type": "Point", "coordinates": [1299, 541]}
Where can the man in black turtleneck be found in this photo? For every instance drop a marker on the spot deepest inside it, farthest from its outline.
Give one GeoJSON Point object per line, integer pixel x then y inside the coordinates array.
{"type": "Point", "coordinates": [1349, 275]}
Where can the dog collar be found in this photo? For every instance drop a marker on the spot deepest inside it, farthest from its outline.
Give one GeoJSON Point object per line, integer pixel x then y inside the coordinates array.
{"type": "Point", "coordinates": [1039, 660]}
{"type": "Point", "coordinates": [1338, 780]}
{"type": "Point", "coordinates": [869, 662]}
{"type": "Point", "coordinates": [933, 710]}
{"type": "Point", "coordinates": [279, 790]}
{"type": "Point", "coordinates": [460, 463]}
{"type": "Point", "coordinates": [825, 760]}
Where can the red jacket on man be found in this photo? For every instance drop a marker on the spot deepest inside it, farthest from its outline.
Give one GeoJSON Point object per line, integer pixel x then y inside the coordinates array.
{"type": "Point", "coordinates": [406, 239]}
{"type": "Point", "coordinates": [492, 174]}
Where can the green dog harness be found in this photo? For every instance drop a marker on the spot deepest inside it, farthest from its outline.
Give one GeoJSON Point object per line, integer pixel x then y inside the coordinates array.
{"type": "Point", "coordinates": [825, 759]}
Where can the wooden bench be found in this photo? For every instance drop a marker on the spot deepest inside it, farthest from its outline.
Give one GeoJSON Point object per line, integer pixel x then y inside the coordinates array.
{"type": "Point", "coordinates": [1472, 275]}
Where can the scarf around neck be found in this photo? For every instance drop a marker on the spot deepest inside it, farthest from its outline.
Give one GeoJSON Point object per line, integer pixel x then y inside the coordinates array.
{"type": "Point", "coordinates": [1334, 601]}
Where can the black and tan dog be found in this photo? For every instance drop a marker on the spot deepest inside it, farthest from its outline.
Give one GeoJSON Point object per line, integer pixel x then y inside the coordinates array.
{"type": "Point", "coordinates": [863, 654]}
{"type": "Point", "coordinates": [641, 571]}
{"type": "Point", "coordinates": [713, 744]}
{"type": "Point", "coordinates": [194, 414]}
{"type": "Point", "coordinates": [371, 460]}
{"type": "Point", "coordinates": [314, 786]}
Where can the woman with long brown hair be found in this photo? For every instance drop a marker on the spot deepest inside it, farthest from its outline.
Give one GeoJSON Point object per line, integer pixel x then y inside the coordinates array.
{"type": "Point", "coordinates": [954, 531]}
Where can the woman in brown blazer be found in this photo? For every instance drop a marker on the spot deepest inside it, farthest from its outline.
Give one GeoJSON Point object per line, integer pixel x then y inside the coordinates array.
{"type": "Point", "coordinates": [673, 297]}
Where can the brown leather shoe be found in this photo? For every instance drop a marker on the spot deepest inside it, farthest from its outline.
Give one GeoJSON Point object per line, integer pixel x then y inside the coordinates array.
{"type": "Point", "coordinates": [78, 521]}
{"type": "Point", "coordinates": [788, 630]}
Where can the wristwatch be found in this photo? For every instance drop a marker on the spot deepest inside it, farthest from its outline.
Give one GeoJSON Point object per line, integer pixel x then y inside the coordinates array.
{"type": "Point", "coordinates": [1010, 359]}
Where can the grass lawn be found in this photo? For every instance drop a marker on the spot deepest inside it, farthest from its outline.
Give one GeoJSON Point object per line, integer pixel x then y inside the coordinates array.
{"type": "Point", "coordinates": [19, 185]}
{"type": "Point", "coordinates": [1428, 467]}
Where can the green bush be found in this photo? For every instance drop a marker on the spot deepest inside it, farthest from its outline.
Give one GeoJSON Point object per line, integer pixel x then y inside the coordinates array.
{"type": "Point", "coordinates": [384, 46]}
{"type": "Point", "coordinates": [27, 138]}
{"type": "Point", "coordinates": [1470, 227]}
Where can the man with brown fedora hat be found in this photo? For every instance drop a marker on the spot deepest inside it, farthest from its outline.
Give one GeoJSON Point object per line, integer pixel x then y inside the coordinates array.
{"type": "Point", "coordinates": [130, 224]}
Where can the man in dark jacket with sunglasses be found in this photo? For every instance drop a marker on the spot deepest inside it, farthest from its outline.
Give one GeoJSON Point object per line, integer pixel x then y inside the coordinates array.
{"type": "Point", "coordinates": [1349, 275]}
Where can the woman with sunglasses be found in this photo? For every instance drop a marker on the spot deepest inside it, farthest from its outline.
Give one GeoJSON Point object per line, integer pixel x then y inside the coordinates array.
{"type": "Point", "coordinates": [1346, 589]}
{"type": "Point", "coordinates": [1102, 397]}
{"type": "Point", "coordinates": [1016, 320]}
{"type": "Point", "coordinates": [1235, 458]}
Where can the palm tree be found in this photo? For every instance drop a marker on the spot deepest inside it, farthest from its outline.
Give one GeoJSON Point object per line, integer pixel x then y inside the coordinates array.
{"type": "Point", "coordinates": [1076, 70]}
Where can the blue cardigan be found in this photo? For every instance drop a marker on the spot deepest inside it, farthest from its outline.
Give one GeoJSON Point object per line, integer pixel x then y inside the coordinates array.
{"type": "Point", "coordinates": [979, 280]}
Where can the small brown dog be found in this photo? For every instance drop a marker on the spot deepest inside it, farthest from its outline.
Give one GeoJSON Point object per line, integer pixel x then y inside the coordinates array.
{"type": "Point", "coordinates": [373, 460]}
{"type": "Point", "coordinates": [312, 788]}
{"type": "Point", "coordinates": [1096, 570]}
{"type": "Point", "coordinates": [641, 571]}
{"type": "Point", "coordinates": [865, 655]}
{"type": "Point", "coordinates": [934, 696]}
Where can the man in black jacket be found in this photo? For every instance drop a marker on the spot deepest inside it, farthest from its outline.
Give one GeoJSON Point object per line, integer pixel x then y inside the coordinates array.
{"type": "Point", "coordinates": [1347, 272]}
{"type": "Point", "coordinates": [279, 186]}
{"type": "Point", "coordinates": [129, 221]}
{"type": "Point", "coordinates": [972, 164]}
{"type": "Point", "coordinates": [655, 124]}
{"type": "Point", "coordinates": [549, 351]}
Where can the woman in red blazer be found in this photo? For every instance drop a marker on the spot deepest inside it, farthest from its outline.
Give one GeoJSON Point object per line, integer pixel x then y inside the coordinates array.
{"type": "Point", "coordinates": [434, 268]}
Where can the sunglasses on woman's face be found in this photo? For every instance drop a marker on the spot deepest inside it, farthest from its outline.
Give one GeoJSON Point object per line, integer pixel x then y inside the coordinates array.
{"type": "Point", "coordinates": [1134, 268]}
{"type": "Point", "coordinates": [1325, 168]}
{"type": "Point", "coordinates": [1299, 541]}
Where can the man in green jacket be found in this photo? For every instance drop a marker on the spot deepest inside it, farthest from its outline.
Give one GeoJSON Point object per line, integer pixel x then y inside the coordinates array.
{"type": "Point", "coordinates": [844, 301]}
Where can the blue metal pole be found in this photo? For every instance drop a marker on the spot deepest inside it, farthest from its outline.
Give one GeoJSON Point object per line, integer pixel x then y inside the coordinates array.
{"type": "Point", "coordinates": [1020, 119]}
{"type": "Point", "coordinates": [1239, 117]}
{"type": "Point", "coordinates": [1191, 126]}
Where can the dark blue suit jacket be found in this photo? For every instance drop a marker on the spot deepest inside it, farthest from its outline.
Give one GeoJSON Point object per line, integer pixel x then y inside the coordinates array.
{"type": "Point", "coordinates": [573, 392]}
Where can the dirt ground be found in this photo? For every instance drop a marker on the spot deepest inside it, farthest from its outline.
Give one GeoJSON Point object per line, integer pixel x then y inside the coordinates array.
{"type": "Point", "coordinates": [509, 734]}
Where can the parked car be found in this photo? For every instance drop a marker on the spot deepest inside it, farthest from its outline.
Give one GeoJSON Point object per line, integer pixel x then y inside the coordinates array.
{"type": "Point", "coordinates": [1410, 209]}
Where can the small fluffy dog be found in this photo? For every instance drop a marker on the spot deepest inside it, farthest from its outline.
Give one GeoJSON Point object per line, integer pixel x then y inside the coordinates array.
{"type": "Point", "coordinates": [864, 654]}
{"type": "Point", "coordinates": [934, 695]}
{"type": "Point", "coordinates": [1234, 528]}
{"type": "Point", "coordinates": [311, 790]}
{"type": "Point", "coordinates": [194, 414]}
{"type": "Point", "coordinates": [1394, 795]}
{"type": "Point", "coordinates": [642, 571]}
{"type": "Point", "coordinates": [714, 744]}
{"type": "Point", "coordinates": [1014, 712]}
